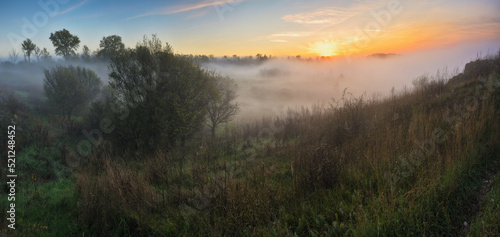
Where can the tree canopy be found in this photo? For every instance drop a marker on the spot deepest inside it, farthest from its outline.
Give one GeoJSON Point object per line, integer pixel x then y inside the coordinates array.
{"type": "Point", "coordinates": [110, 46]}
{"type": "Point", "coordinates": [85, 53]}
{"type": "Point", "coordinates": [70, 88]}
{"type": "Point", "coordinates": [65, 43]}
{"type": "Point", "coordinates": [28, 48]}
{"type": "Point", "coordinates": [161, 97]}
{"type": "Point", "coordinates": [221, 106]}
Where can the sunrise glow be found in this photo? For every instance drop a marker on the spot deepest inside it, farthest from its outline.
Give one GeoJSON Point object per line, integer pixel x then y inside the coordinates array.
{"type": "Point", "coordinates": [324, 48]}
{"type": "Point", "coordinates": [316, 28]}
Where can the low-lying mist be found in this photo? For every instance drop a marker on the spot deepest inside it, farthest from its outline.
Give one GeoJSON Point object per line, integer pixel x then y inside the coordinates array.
{"type": "Point", "coordinates": [279, 84]}
{"type": "Point", "coordinates": [25, 74]}
{"type": "Point", "coordinates": [25, 80]}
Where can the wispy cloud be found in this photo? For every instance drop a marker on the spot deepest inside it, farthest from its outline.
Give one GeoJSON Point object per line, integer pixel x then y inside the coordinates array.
{"type": "Point", "coordinates": [330, 15]}
{"type": "Point", "coordinates": [190, 7]}
{"type": "Point", "coordinates": [70, 9]}
{"type": "Point", "coordinates": [279, 37]}
{"type": "Point", "coordinates": [279, 41]}
{"type": "Point", "coordinates": [97, 15]}
{"type": "Point", "coordinates": [291, 34]}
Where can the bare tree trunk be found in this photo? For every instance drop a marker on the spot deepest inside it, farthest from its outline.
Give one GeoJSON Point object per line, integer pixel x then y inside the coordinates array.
{"type": "Point", "coordinates": [213, 132]}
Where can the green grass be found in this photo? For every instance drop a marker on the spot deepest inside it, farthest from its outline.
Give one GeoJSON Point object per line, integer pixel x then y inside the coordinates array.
{"type": "Point", "coordinates": [487, 222]}
{"type": "Point", "coordinates": [21, 94]}
{"type": "Point", "coordinates": [45, 209]}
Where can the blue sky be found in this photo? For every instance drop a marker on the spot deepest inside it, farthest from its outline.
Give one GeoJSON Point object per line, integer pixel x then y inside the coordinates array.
{"type": "Point", "coordinates": [278, 27]}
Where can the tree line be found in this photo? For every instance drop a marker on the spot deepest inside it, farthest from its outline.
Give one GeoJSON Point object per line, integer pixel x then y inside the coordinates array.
{"type": "Point", "coordinates": [67, 44]}
{"type": "Point", "coordinates": [155, 99]}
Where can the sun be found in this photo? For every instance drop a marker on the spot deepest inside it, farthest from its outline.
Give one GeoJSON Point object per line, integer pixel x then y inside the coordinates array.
{"type": "Point", "coordinates": [324, 48]}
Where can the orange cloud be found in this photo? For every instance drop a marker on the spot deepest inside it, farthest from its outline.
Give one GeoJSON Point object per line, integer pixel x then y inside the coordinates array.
{"type": "Point", "coordinates": [330, 15]}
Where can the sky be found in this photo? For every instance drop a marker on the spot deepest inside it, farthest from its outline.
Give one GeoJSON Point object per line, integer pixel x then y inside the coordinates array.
{"type": "Point", "coordinates": [247, 27]}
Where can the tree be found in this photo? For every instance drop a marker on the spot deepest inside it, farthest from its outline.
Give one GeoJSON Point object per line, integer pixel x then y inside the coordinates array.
{"type": "Point", "coordinates": [44, 54]}
{"type": "Point", "coordinates": [110, 46]}
{"type": "Point", "coordinates": [160, 98]}
{"type": "Point", "coordinates": [13, 55]}
{"type": "Point", "coordinates": [66, 44]}
{"type": "Point", "coordinates": [28, 48]}
{"type": "Point", "coordinates": [38, 53]}
{"type": "Point", "coordinates": [261, 58]}
{"type": "Point", "coordinates": [86, 53]}
{"type": "Point", "coordinates": [70, 88]}
{"type": "Point", "coordinates": [221, 106]}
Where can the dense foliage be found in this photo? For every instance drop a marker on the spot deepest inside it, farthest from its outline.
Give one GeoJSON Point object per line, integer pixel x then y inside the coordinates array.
{"type": "Point", "coordinates": [65, 43]}
{"type": "Point", "coordinates": [159, 98]}
{"type": "Point", "coordinates": [70, 88]}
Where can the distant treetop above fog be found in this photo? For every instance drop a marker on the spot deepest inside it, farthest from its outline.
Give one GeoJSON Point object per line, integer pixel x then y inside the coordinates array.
{"type": "Point", "coordinates": [383, 55]}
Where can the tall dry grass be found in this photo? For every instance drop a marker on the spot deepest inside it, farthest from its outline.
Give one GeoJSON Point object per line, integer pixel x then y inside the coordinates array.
{"type": "Point", "coordinates": [403, 164]}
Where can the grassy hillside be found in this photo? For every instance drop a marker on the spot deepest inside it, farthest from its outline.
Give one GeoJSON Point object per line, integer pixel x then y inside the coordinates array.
{"type": "Point", "coordinates": [411, 164]}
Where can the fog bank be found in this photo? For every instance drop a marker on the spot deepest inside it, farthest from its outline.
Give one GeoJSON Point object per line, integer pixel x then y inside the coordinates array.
{"type": "Point", "coordinates": [279, 84]}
